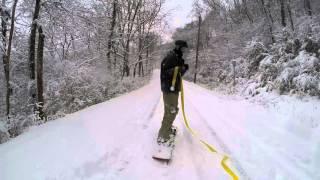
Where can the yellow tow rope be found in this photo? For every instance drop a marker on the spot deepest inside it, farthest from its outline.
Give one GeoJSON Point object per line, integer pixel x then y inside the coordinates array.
{"type": "Point", "coordinates": [174, 79]}
{"type": "Point", "coordinates": [207, 146]}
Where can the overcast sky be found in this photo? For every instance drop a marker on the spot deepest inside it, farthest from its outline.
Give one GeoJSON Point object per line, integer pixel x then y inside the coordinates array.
{"type": "Point", "coordinates": [180, 13]}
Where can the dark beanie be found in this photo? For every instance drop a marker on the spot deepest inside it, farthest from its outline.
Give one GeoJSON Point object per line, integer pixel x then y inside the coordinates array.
{"type": "Point", "coordinates": [181, 43]}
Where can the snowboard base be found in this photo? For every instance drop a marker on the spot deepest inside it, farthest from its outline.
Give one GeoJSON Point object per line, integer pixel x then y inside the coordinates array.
{"type": "Point", "coordinates": [167, 161]}
{"type": "Point", "coordinates": [163, 152]}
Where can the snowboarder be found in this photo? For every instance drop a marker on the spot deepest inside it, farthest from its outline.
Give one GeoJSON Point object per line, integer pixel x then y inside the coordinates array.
{"type": "Point", "coordinates": [173, 61]}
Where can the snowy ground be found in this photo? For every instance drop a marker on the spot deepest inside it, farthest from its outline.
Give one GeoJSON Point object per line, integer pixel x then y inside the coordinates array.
{"type": "Point", "coordinates": [277, 138]}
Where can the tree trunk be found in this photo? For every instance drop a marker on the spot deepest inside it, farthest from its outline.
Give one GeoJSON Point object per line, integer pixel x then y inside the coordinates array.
{"type": "Point", "coordinates": [197, 51]}
{"type": "Point", "coordinates": [32, 45]}
{"type": "Point", "coordinates": [269, 20]}
{"type": "Point", "coordinates": [237, 6]}
{"type": "Point", "coordinates": [115, 49]}
{"type": "Point", "coordinates": [40, 73]}
{"type": "Point", "coordinates": [266, 9]}
{"type": "Point", "coordinates": [147, 62]}
{"type": "Point", "coordinates": [141, 71]}
{"type": "Point", "coordinates": [7, 69]}
{"type": "Point", "coordinates": [110, 38]}
{"type": "Point", "coordinates": [290, 14]}
{"type": "Point", "coordinates": [126, 70]}
{"type": "Point", "coordinates": [4, 21]}
{"type": "Point", "coordinates": [32, 50]}
{"type": "Point", "coordinates": [134, 70]}
{"type": "Point", "coordinates": [246, 11]}
{"type": "Point", "coordinates": [141, 34]}
{"type": "Point", "coordinates": [283, 14]}
{"type": "Point", "coordinates": [307, 6]}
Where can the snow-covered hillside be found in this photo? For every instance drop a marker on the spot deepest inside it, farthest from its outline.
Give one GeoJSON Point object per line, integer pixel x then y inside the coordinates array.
{"type": "Point", "coordinates": [277, 138]}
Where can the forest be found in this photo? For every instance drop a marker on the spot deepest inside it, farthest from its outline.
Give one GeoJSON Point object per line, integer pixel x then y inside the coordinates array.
{"type": "Point", "coordinates": [256, 46]}
{"type": "Point", "coordinates": [60, 56]}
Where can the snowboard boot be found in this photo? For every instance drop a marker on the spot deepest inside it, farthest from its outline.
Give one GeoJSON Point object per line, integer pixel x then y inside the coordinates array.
{"type": "Point", "coordinates": [173, 134]}
{"type": "Point", "coordinates": [174, 130]}
{"type": "Point", "coordinates": [170, 141]}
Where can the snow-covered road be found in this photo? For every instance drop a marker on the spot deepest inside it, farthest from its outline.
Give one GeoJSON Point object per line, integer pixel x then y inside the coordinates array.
{"type": "Point", "coordinates": [115, 140]}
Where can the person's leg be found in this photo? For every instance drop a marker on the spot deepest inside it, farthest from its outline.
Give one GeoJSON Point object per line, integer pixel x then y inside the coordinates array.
{"type": "Point", "coordinates": [170, 101]}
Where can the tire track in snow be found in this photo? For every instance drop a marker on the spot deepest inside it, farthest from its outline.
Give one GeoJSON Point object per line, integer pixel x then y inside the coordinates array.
{"type": "Point", "coordinates": [151, 114]}
{"type": "Point", "coordinates": [191, 150]}
{"type": "Point", "coordinates": [281, 160]}
{"type": "Point", "coordinates": [220, 142]}
{"type": "Point", "coordinates": [122, 157]}
{"type": "Point", "coordinates": [278, 157]}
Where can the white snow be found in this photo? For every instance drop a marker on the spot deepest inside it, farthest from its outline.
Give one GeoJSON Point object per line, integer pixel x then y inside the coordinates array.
{"type": "Point", "coordinates": [2, 126]}
{"type": "Point", "coordinates": [305, 81]}
{"type": "Point", "coordinates": [267, 61]}
{"type": "Point", "coordinates": [268, 137]}
{"type": "Point", "coordinates": [306, 61]}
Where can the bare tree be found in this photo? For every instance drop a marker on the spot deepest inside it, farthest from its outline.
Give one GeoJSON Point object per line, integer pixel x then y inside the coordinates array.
{"type": "Point", "coordinates": [4, 22]}
{"type": "Point", "coordinates": [197, 49]}
{"type": "Point", "coordinates": [112, 29]}
{"type": "Point", "coordinates": [283, 13]}
{"type": "Point", "coordinates": [307, 7]}
{"type": "Point", "coordinates": [147, 19]}
{"type": "Point", "coordinates": [7, 50]}
{"type": "Point", "coordinates": [132, 10]}
{"type": "Point", "coordinates": [32, 49]}
{"type": "Point", "coordinates": [40, 97]}
{"type": "Point", "coordinates": [246, 11]}
{"type": "Point", "coordinates": [269, 18]}
{"type": "Point", "coordinates": [290, 14]}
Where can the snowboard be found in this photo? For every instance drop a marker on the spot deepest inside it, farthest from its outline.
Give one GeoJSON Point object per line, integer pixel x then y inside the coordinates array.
{"type": "Point", "coordinates": [164, 151]}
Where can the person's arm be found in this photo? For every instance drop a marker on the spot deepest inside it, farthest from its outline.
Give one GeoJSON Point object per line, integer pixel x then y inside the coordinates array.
{"type": "Point", "coordinates": [167, 66]}
{"type": "Point", "coordinates": [184, 69]}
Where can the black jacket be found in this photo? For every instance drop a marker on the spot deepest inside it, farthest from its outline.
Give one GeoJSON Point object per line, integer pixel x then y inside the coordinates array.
{"type": "Point", "coordinates": [172, 59]}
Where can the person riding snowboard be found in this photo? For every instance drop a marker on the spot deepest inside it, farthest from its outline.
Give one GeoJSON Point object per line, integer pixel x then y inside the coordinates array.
{"type": "Point", "coordinates": [172, 70]}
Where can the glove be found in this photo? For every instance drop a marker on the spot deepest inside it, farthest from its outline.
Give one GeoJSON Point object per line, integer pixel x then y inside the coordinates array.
{"type": "Point", "coordinates": [184, 68]}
